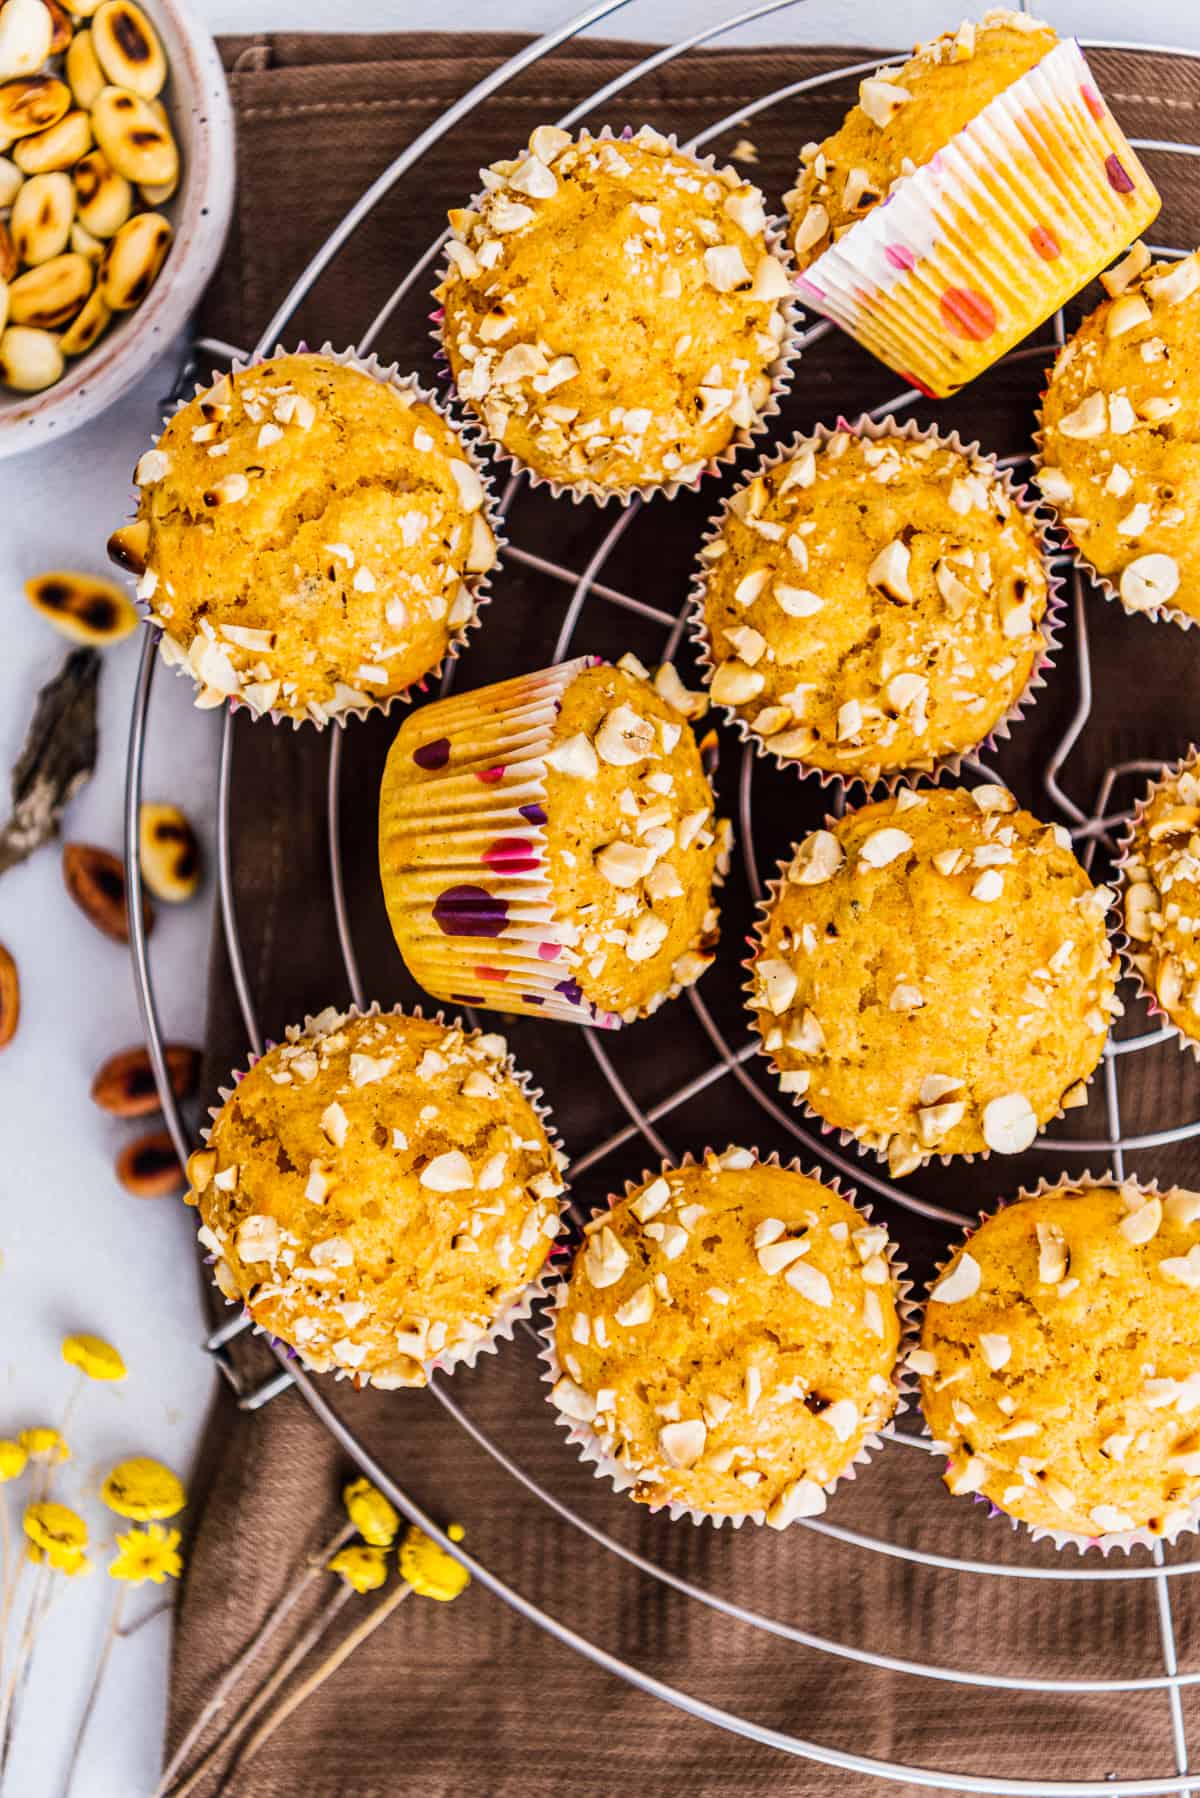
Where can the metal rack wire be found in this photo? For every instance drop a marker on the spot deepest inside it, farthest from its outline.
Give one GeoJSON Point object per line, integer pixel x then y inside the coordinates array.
{"type": "Point", "coordinates": [1090, 827]}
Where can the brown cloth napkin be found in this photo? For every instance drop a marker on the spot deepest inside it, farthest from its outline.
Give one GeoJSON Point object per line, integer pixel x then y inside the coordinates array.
{"type": "Point", "coordinates": [467, 1700]}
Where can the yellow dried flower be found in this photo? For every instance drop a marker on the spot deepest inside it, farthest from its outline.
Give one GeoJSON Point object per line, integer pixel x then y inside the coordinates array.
{"type": "Point", "coordinates": [55, 1528]}
{"type": "Point", "coordinates": [149, 1554]}
{"type": "Point", "coordinates": [71, 1561]}
{"type": "Point", "coordinates": [361, 1566]}
{"type": "Point", "coordinates": [143, 1489]}
{"type": "Point", "coordinates": [93, 1356]}
{"type": "Point", "coordinates": [427, 1567]}
{"type": "Point", "coordinates": [44, 1444]}
{"type": "Point", "coordinates": [13, 1457]}
{"type": "Point", "coordinates": [371, 1514]}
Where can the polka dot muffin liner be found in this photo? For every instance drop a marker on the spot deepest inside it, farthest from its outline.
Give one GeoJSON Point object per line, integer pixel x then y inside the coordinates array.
{"type": "Point", "coordinates": [1129, 950]}
{"type": "Point", "coordinates": [1023, 207]}
{"type": "Point", "coordinates": [847, 1138]}
{"type": "Point", "coordinates": [605, 1466]}
{"type": "Point", "coordinates": [357, 703]}
{"type": "Point", "coordinates": [1121, 1541]}
{"type": "Point", "coordinates": [1050, 625]}
{"type": "Point", "coordinates": [516, 1310]}
{"type": "Point", "coordinates": [473, 911]}
{"type": "Point", "coordinates": [781, 371]}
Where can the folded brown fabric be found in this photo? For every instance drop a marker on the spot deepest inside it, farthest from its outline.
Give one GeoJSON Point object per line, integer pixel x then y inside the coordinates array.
{"type": "Point", "coordinates": [468, 1699]}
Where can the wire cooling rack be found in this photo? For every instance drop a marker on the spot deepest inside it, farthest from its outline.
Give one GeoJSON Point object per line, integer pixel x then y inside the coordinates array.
{"type": "Point", "coordinates": [1091, 827]}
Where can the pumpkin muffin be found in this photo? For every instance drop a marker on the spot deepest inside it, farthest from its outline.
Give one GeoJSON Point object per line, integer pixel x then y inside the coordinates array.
{"type": "Point", "coordinates": [615, 312]}
{"type": "Point", "coordinates": [1058, 1360]}
{"type": "Point", "coordinates": [728, 1339]}
{"type": "Point", "coordinates": [313, 535]}
{"type": "Point", "coordinates": [1120, 427]}
{"type": "Point", "coordinates": [380, 1191]}
{"type": "Point", "coordinates": [549, 844]}
{"type": "Point", "coordinates": [873, 602]}
{"type": "Point", "coordinates": [932, 975]}
{"type": "Point", "coordinates": [1160, 896]}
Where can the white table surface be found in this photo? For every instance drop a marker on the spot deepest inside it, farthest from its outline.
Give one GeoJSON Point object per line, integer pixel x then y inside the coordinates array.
{"type": "Point", "coordinates": [77, 1252]}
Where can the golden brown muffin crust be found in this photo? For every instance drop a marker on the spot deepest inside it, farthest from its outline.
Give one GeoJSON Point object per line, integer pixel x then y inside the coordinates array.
{"type": "Point", "coordinates": [1161, 895]}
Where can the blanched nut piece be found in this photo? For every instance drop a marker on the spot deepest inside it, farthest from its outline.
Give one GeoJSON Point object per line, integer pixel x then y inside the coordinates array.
{"type": "Point", "coordinates": [134, 139]}
{"type": "Point", "coordinates": [40, 221]}
{"type": "Point", "coordinates": [133, 259]}
{"type": "Point", "coordinates": [32, 104]}
{"type": "Point", "coordinates": [127, 546]}
{"type": "Point", "coordinates": [103, 199]}
{"type": "Point", "coordinates": [58, 148]}
{"type": "Point", "coordinates": [88, 325]}
{"type": "Point", "coordinates": [51, 294]}
{"type": "Point", "coordinates": [127, 48]}
{"type": "Point", "coordinates": [8, 255]}
{"type": "Point", "coordinates": [26, 34]}
{"type": "Point", "coordinates": [10, 181]}
{"type": "Point", "coordinates": [29, 359]}
{"type": "Point", "coordinates": [84, 75]}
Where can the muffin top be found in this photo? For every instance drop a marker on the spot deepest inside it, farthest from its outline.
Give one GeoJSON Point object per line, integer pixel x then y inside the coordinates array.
{"type": "Point", "coordinates": [872, 606]}
{"type": "Point", "coordinates": [729, 1334]}
{"type": "Point", "coordinates": [1120, 426]}
{"type": "Point", "coordinates": [377, 1190]}
{"type": "Point", "coordinates": [1059, 1359]}
{"type": "Point", "coordinates": [1161, 894]}
{"type": "Point", "coordinates": [315, 537]}
{"type": "Point", "coordinates": [933, 975]}
{"type": "Point", "coordinates": [903, 118]}
{"type": "Point", "coordinates": [613, 309]}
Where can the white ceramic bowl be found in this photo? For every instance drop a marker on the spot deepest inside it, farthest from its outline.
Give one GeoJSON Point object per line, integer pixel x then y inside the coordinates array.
{"type": "Point", "coordinates": [197, 98]}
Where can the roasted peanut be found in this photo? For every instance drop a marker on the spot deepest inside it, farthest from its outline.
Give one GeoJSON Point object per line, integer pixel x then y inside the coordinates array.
{"type": "Point", "coordinates": [88, 325]}
{"type": "Point", "coordinates": [50, 295]}
{"type": "Point", "coordinates": [10, 997]}
{"type": "Point", "coordinates": [132, 260]}
{"type": "Point", "coordinates": [84, 244]}
{"type": "Point", "coordinates": [8, 255]}
{"type": "Point", "coordinates": [85, 607]}
{"type": "Point", "coordinates": [29, 359]}
{"type": "Point", "coordinates": [135, 141]}
{"type": "Point", "coordinates": [58, 148]}
{"type": "Point", "coordinates": [158, 196]}
{"type": "Point", "coordinates": [125, 1088]}
{"type": "Point", "coordinates": [3, 305]}
{"type": "Point", "coordinates": [26, 34]}
{"type": "Point", "coordinates": [83, 9]}
{"type": "Point", "coordinates": [95, 880]}
{"type": "Point", "coordinates": [10, 181]}
{"type": "Point", "coordinates": [127, 48]}
{"type": "Point", "coordinates": [103, 199]}
{"type": "Point", "coordinates": [148, 1167]}
{"type": "Point", "coordinates": [84, 75]}
{"type": "Point", "coordinates": [168, 852]}
{"type": "Point", "coordinates": [32, 104]}
{"type": "Point", "coordinates": [61, 28]}
{"type": "Point", "coordinates": [40, 221]}
{"type": "Point", "coordinates": [127, 546]}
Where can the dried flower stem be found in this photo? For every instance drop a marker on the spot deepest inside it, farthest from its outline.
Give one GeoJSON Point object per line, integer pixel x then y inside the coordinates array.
{"type": "Point", "coordinates": [35, 1612]}
{"type": "Point", "coordinates": [321, 1673]}
{"type": "Point", "coordinates": [156, 1610]}
{"type": "Point", "coordinates": [270, 1623]}
{"type": "Point", "coordinates": [106, 1648]}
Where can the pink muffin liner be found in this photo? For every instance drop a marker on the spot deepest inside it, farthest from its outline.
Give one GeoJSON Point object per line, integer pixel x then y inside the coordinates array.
{"type": "Point", "coordinates": [1049, 625]}
{"type": "Point", "coordinates": [1129, 950]}
{"type": "Point", "coordinates": [780, 372]}
{"type": "Point", "coordinates": [1121, 1541]}
{"type": "Point", "coordinates": [515, 1310]}
{"type": "Point", "coordinates": [475, 916]}
{"type": "Point", "coordinates": [967, 255]}
{"type": "Point", "coordinates": [174, 653]}
{"type": "Point", "coordinates": [847, 1138]}
{"type": "Point", "coordinates": [606, 1467]}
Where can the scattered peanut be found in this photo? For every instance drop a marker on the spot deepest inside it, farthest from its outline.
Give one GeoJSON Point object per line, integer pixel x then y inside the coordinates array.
{"type": "Point", "coordinates": [84, 607]}
{"type": "Point", "coordinates": [148, 1167]}
{"type": "Point", "coordinates": [10, 997]}
{"type": "Point", "coordinates": [96, 882]}
{"type": "Point", "coordinates": [168, 852]}
{"type": "Point", "coordinates": [124, 1086]}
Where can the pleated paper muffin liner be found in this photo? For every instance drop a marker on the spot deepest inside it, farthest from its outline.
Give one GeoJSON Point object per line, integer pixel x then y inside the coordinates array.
{"type": "Point", "coordinates": [476, 918]}
{"type": "Point", "coordinates": [1023, 207]}
{"type": "Point", "coordinates": [517, 1308]}
{"type": "Point", "coordinates": [605, 1466]}
{"type": "Point", "coordinates": [1121, 1541]}
{"type": "Point", "coordinates": [1128, 949]}
{"type": "Point", "coordinates": [1049, 625]}
{"type": "Point", "coordinates": [847, 1138]}
{"type": "Point", "coordinates": [174, 654]}
{"type": "Point", "coordinates": [780, 372]}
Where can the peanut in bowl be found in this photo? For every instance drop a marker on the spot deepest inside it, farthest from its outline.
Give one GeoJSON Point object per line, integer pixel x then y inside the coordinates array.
{"type": "Point", "coordinates": [116, 188]}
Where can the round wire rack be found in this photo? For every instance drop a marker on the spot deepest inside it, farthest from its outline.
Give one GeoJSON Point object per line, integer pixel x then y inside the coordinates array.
{"type": "Point", "coordinates": [1092, 827]}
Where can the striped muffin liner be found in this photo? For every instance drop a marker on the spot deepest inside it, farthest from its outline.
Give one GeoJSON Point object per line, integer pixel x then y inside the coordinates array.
{"type": "Point", "coordinates": [605, 1466]}
{"type": "Point", "coordinates": [473, 909]}
{"type": "Point", "coordinates": [1121, 1541]}
{"type": "Point", "coordinates": [1049, 625]}
{"type": "Point", "coordinates": [780, 371]}
{"type": "Point", "coordinates": [847, 1138]}
{"type": "Point", "coordinates": [1190, 1045]}
{"type": "Point", "coordinates": [972, 251]}
{"type": "Point", "coordinates": [517, 1307]}
{"type": "Point", "coordinates": [174, 653]}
